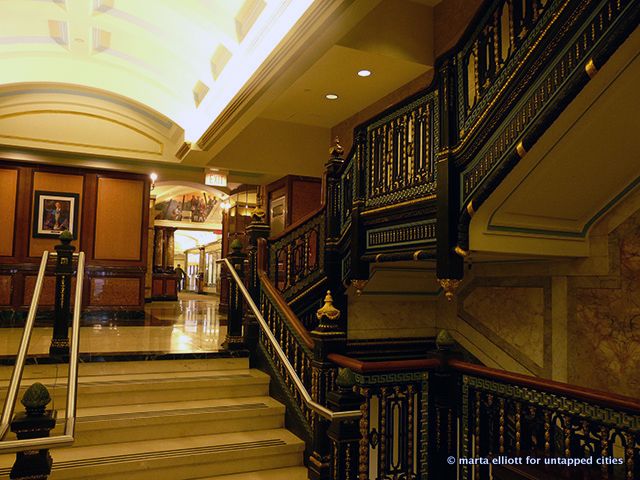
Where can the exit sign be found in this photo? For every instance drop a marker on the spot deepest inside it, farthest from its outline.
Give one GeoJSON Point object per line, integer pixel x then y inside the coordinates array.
{"type": "Point", "coordinates": [215, 179]}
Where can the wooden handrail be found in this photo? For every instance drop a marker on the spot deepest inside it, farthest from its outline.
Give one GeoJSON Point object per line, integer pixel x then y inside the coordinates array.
{"type": "Point", "coordinates": [603, 398]}
{"type": "Point", "coordinates": [293, 320]}
{"type": "Point", "coordinates": [561, 388]}
{"type": "Point", "coordinates": [360, 366]}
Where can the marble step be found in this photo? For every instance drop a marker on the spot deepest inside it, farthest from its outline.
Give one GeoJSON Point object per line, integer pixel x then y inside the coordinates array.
{"type": "Point", "coordinates": [136, 388]}
{"type": "Point", "coordinates": [290, 473]}
{"type": "Point", "coordinates": [201, 456]}
{"type": "Point", "coordinates": [138, 422]}
{"type": "Point", "coordinates": [128, 367]}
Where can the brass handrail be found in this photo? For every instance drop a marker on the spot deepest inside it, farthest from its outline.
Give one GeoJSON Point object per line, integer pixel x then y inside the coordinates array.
{"type": "Point", "coordinates": [304, 394]}
{"type": "Point", "coordinates": [72, 383]}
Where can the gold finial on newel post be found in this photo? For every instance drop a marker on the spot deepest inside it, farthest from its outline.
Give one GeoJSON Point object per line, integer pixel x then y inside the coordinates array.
{"type": "Point", "coordinates": [336, 150]}
{"type": "Point", "coordinates": [328, 317]}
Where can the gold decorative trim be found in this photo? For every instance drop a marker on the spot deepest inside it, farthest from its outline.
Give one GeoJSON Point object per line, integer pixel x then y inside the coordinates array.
{"type": "Point", "coordinates": [460, 251]}
{"type": "Point", "coordinates": [449, 285]}
{"type": "Point", "coordinates": [521, 150]}
{"type": "Point", "coordinates": [328, 310]}
{"type": "Point", "coordinates": [306, 290]}
{"type": "Point", "coordinates": [507, 83]}
{"type": "Point", "coordinates": [470, 209]}
{"type": "Point", "coordinates": [397, 205]}
{"type": "Point", "coordinates": [359, 285]}
{"type": "Point", "coordinates": [378, 257]}
{"type": "Point", "coordinates": [591, 68]}
{"type": "Point", "coordinates": [416, 255]}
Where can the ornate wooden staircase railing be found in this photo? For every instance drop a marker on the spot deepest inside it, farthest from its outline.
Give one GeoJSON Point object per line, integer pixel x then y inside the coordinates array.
{"type": "Point", "coordinates": [418, 171]}
{"type": "Point", "coordinates": [432, 417]}
{"type": "Point", "coordinates": [407, 190]}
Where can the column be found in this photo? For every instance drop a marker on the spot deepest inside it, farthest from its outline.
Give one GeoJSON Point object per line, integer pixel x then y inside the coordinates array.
{"type": "Point", "coordinates": [169, 247]}
{"type": "Point", "coordinates": [158, 250]}
{"type": "Point", "coordinates": [151, 238]}
{"type": "Point", "coordinates": [201, 269]}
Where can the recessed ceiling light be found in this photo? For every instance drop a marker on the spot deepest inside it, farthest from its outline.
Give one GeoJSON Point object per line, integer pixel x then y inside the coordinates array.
{"type": "Point", "coordinates": [364, 73]}
{"type": "Point", "coordinates": [331, 96]}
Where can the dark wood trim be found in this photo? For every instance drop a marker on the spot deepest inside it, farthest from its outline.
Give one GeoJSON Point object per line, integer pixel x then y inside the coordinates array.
{"type": "Point", "coordinates": [88, 215]}
{"type": "Point", "coordinates": [590, 395]}
{"type": "Point", "coordinates": [360, 366]}
{"type": "Point", "coordinates": [293, 320]}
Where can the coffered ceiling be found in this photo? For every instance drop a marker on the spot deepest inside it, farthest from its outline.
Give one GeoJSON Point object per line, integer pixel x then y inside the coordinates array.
{"type": "Point", "coordinates": [184, 59]}
{"type": "Point", "coordinates": [178, 86]}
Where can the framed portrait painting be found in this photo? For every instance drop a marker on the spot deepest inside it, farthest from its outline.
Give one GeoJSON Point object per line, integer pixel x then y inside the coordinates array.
{"type": "Point", "coordinates": [55, 212]}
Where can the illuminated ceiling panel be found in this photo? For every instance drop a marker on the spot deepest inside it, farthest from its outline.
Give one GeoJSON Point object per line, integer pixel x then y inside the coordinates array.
{"type": "Point", "coordinates": [186, 59]}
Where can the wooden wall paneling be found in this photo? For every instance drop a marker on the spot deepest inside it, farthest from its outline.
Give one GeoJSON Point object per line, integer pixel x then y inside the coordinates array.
{"type": "Point", "coordinates": [305, 197]}
{"type": "Point", "coordinates": [119, 220]}
{"type": "Point", "coordinates": [8, 210]}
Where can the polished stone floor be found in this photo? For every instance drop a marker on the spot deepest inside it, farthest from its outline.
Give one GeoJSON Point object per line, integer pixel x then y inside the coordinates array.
{"type": "Point", "coordinates": [190, 325]}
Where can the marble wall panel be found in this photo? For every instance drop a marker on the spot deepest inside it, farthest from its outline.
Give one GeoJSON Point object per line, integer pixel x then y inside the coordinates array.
{"type": "Point", "coordinates": [604, 328]}
{"type": "Point", "coordinates": [48, 293]}
{"type": "Point", "coordinates": [387, 317]}
{"type": "Point", "coordinates": [513, 317]}
{"type": "Point", "coordinates": [113, 291]}
{"type": "Point", "coordinates": [5, 289]}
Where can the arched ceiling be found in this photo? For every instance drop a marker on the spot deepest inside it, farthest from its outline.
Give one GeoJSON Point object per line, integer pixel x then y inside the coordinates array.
{"type": "Point", "coordinates": [185, 59]}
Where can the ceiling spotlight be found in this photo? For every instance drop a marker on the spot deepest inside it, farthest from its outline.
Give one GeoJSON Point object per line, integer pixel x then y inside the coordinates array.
{"type": "Point", "coordinates": [331, 96]}
{"type": "Point", "coordinates": [364, 73]}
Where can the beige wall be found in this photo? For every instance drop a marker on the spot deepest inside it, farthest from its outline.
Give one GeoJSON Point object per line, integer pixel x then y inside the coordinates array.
{"type": "Point", "coordinates": [275, 147]}
{"type": "Point", "coordinates": [571, 320]}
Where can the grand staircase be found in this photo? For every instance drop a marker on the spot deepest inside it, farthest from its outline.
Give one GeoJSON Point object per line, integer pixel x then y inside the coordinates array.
{"type": "Point", "coordinates": [169, 419]}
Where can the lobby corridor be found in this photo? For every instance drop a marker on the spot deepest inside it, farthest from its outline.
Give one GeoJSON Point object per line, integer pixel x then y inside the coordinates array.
{"type": "Point", "coordinates": [190, 325]}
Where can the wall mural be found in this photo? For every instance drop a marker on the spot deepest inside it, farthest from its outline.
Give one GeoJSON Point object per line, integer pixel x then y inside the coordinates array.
{"type": "Point", "coordinates": [192, 207]}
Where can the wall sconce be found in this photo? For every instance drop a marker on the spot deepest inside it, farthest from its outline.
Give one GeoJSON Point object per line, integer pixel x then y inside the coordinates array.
{"type": "Point", "coordinates": [226, 205]}
{"type": "Point", "coordinates": [153, 176]}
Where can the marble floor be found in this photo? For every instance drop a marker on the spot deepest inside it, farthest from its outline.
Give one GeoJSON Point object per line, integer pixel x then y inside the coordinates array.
{"type": "Point", "coordinates": [190, 325]}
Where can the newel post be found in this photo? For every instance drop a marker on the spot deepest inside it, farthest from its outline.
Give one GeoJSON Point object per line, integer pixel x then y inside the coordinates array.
{"type": "Point", "coordinates": [62, 311]}
{"type": "Point", "coordinates": [344, 434]}
{"type": "Point", "coordinates": [235, 339]}
{"type": "Point", "coordinates": [35, 422]}
{"type": "Point", "coordinates": [333, 258]}
{"type": "Point", "coordinates": [443, 410]}
{"type": "Point", "coordinates": [329, 336]}
{"type": "Point", "coordinates": [256, 230]}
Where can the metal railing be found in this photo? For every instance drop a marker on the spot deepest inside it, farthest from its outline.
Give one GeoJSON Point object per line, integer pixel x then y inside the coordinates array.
{"type": "Point", "coordinates": [72, 383]}
{"type": "Point", "coordinates": [304, 394]}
